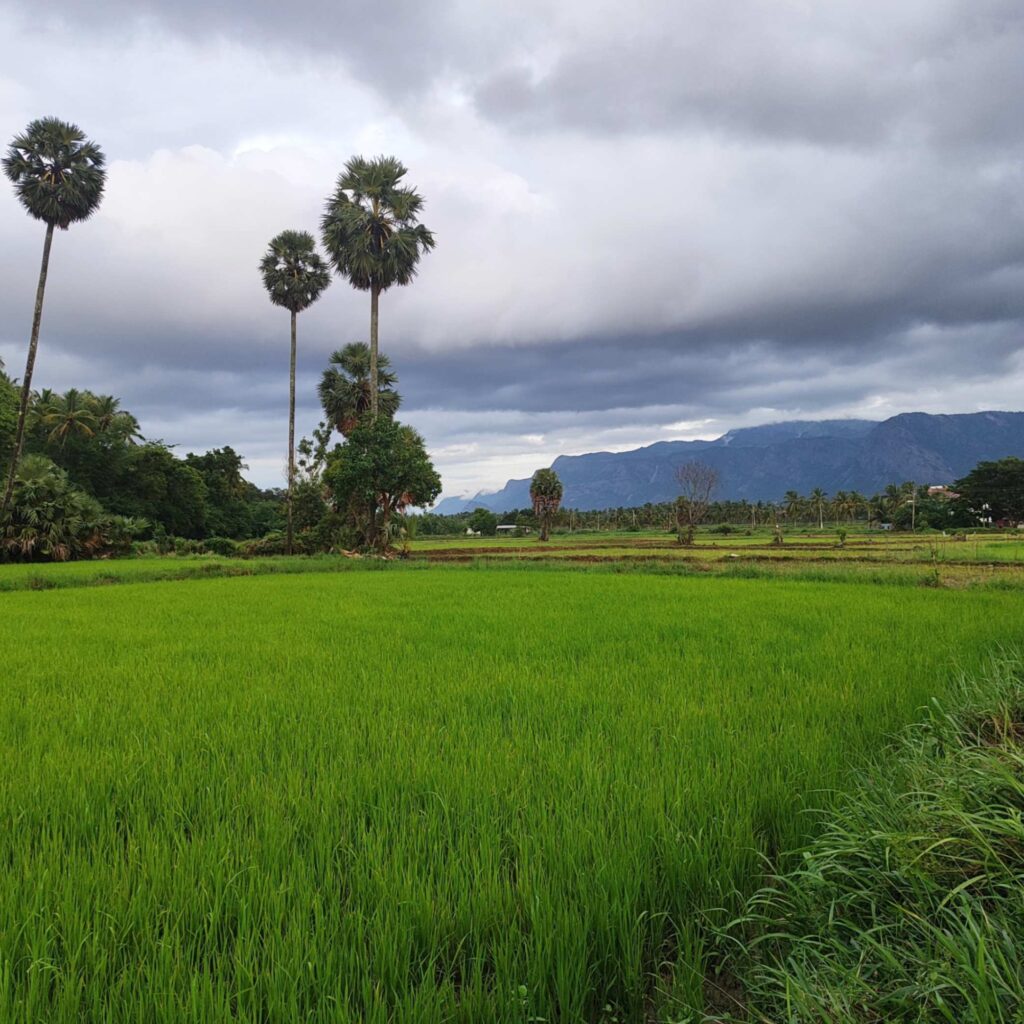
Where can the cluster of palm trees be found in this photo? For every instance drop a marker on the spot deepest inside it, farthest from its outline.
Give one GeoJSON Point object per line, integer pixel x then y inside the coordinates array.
{"type": "Point", "coordinates": [81, 414]}
{"type": "Point", "coordinates": [848, 506]}
{"type": "Point", "coordinates": [371, 233]}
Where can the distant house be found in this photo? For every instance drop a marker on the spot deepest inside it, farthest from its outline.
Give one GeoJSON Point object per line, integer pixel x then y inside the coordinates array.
{"type": "Point", "coordinates": [943, 492]}
{"type": "Point", "coordinates": [470, 532]}
{"type": "Point", "coordinates": [509, 529]}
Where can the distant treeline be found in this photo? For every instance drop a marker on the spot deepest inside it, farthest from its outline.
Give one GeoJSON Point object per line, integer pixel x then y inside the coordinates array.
{"type": "Point", "coordinates": [977, 500]}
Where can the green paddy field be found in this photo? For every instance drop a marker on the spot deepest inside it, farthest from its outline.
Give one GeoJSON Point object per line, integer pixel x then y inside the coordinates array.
{"type": "Point", "coordinates": [471, 793]}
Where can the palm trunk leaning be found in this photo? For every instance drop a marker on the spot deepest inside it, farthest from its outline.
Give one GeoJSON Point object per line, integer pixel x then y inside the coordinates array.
{"type": "Point", "coordinates": [30, 364]}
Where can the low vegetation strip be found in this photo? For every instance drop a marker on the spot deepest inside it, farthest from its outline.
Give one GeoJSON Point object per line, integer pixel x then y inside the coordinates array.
{"type": "Point", "coordinates": [427, 796]}
{"type": "Point", "coordinates": [101, 573]}
{"type": "Point", "coordinates": [910, 904]}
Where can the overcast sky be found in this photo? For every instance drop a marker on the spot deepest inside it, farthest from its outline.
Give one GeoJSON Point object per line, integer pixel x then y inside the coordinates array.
{"type": "Point", "coordinates": [654, 220]}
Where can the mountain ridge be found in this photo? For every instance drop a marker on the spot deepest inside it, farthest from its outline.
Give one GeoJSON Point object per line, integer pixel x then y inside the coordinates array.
{"type": "Point", "coordinates": [761, 463]}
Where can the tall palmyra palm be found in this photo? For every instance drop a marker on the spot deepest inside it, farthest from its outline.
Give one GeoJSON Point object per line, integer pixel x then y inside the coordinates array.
{"type": "Point", "coordinates": [345, 391]}
{"type": "Point", "coordinates": [294, 275]}
{"type": "Point", "coordinates": [371, 232]}
{"type": "Point", "coordinates": [546, 495]}
{"type": "Point", "coordinates": [58, 175]}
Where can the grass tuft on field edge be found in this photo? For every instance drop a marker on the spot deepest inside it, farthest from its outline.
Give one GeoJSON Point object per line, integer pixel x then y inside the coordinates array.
{"type": "Point", "coordinates": [909, 906]}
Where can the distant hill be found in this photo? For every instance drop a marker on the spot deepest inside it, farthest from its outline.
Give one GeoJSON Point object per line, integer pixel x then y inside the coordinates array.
{"type": "Point", "coordinates": [762, 463]}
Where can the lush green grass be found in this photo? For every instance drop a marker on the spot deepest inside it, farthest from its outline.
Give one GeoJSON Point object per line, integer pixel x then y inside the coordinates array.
{"type": "Point", "coordinates": [154, 569]}
{"type": "Point", "coordinates": [52, 575]}
{"type": "Point", "coordinates": [425, 796]}
{"type": "Point", "coordinates": [910, 904]}
{"type": "Point", "coordinates": [877, 557]}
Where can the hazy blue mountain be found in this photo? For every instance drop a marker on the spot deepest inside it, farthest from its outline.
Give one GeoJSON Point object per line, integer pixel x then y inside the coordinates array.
{"type": "Point", "coordinates": [762, 463]}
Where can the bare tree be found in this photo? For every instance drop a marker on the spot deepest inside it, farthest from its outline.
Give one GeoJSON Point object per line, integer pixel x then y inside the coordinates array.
{"type": "Point", "coordinates": [697, 482]}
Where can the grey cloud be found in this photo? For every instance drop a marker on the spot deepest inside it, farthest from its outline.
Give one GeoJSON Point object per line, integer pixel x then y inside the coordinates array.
{"type": "Point", "coordinates": [699, 212]}
{"type": "Point", "coordinates": [846, 74]}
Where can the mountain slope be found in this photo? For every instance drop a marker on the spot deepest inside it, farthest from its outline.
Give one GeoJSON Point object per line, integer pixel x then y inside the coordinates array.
{"type": "Point", "coordinates": [762, 463]}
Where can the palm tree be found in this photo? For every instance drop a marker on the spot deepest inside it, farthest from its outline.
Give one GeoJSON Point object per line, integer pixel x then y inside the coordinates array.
{"type": "Point", "coordinates": [59, 176]}
{"type": "Point", "coordinates": [67, 415]}
{"type": "Point", "coordinates": [546, 495]}
{"type": "Point", "coordinates": [372, 234]}
{"type": "Point", "coordinates": [818, 499]}
{"type": "Point", "coordinates": [345, 392]}
{"type": "Point", "coordinates": [294, 275]}
{"type": "Point", "coordinates": [794, 505]}
{"type": "Point", "coordinates": [112, 419]}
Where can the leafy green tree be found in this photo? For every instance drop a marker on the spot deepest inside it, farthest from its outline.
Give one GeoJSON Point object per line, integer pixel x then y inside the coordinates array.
{"type": "Point", "coordinates": [158, 486]}
{"type": "Point", "coordinates": [226, 509]}
{"type": "Point", "coordinates": [8, 415]}
{"type": "Point", "coordinates": [295, 276]}
{"type": "Point", "coordinates": [995, 488]}
{"type": "Point", "coordinates": [372, 234]}
{"type": "Point", "coordinates": [381, 470]}
{"type": "Point", "coordinates": [546, 495]}
{"type": "Point", "coordinates": [484, 522]}
{"type": "Point", "coordinates": [344, 388]}
{"type": "Point", "coordinates": [59, 176]}
{"type": "Point", "coordinates": [88, 436]}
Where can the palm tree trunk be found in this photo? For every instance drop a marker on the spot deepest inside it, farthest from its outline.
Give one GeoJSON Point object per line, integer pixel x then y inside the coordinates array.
{"type": "Point", "coordinates": [374, 316]}
{"type": "Point", "coordinates": [30, 364]}
{"type": "Point", "coordinates": [291, 439]}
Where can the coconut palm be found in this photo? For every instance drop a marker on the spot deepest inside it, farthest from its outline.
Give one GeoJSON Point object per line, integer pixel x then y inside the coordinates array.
{"type": "Point", "coordinates": [546, 495]}
{"type": "Point", "coordinates": [345, 392]}
{"type": "Point", "coordinates": [59, 176]}
{"type": "Point", "coordinates": [794, 505]}
{"type": "Point", "coordinates": [294, 275]}
{"type": "Point", "coordinates": [372, 234]}
{"type": "Point", "coordinates": [68, 415]}
{"type": "Point", "coordinates": [112, 419]}
{"type": "Point", "coordinates": [818, 500]}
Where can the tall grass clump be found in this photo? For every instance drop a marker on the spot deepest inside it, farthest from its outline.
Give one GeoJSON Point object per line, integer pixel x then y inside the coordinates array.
{"type": "Point", "coordinates": [910, 904]}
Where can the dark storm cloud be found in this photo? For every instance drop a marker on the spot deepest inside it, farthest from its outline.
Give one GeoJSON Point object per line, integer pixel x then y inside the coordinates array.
{"type": "Point", "coordinates": [654, 220]}
{"type": "Point", "coordinates": [837, 74]}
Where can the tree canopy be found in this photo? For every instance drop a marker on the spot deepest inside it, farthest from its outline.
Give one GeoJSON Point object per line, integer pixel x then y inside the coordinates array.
{"type": "Point", "coordinates": [546, 495]}
{"type": "Point", "coordinates": [294, 273]}
{"type": "Point", "coordinates": [370, 225]}
{"type": "Point", "coordinates": [997, 487]}
{"type": "Point", "coordinates": [57, 173]}
{"type": "Point", "coordinates": [345, 389]}
{"type": "Point", "coordinates": [381, 470]}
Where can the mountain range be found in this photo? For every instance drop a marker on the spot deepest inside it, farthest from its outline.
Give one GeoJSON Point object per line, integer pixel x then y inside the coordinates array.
{"type": "Point", "coordinates": [762, 463]}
